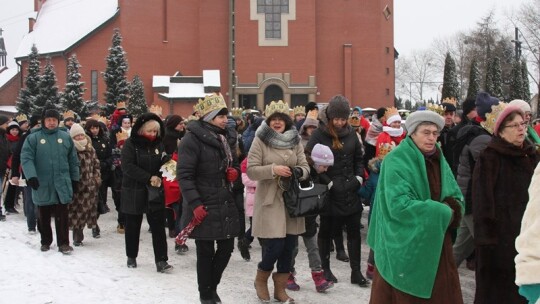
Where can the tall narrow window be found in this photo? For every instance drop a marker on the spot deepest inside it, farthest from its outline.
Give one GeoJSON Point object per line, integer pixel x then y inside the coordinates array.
{"type": "Point", "coordinates": [94, 86]}
{"type": "Point", "coordinates": [272, 10]}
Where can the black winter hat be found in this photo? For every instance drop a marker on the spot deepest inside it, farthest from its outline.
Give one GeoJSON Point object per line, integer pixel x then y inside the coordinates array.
{"type": "Point", "coordinates": [173, 121]}
{"type": "Point", "coordinates": [310, 106]}
{"type": "Point", "coordinates": [483, 104]}
{"type": "Point", "coordinates": [51, 113]}
{"type": "Point", "coordinates": [34, 120]}
{"type": "Point", "coordinates": [468, 105]}
{"type": "Point", "coordinates": [338, 107]}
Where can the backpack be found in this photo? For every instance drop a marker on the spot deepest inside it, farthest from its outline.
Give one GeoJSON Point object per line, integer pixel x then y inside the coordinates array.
{"type": "Point", "coordinates": [464, 138]}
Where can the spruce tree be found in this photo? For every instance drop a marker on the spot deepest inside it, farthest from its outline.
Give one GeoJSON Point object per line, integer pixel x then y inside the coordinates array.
{"type": "Point", "coordinates": [516, 83]}
{"type": "Point", "coordinates": [450, 83]}
{"type": "Point", "coordinates": [48, 91]}
{"type": "Point", "coordinates": [489, 85]}
{"type": "Point", "coordinates": [72, 98]}
{"type": "Point", "coordinates": [474, 80]}
{"type": "Point", "coordinates": [28, 94]}
{"type": "Point", "coordinates": [526, 91]}
{"type": "Point", "coordinates": [115, 74]}
{"type": "Point", "coordinates": [137, 103]}
{"type": "Point", "coordinates": [89, 107]}
{"type": "Point", "coordinates": [496, 72]}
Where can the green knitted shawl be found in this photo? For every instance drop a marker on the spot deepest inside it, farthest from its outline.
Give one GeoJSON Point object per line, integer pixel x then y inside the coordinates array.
{"type": "Point", "coordinates": [407, 227]}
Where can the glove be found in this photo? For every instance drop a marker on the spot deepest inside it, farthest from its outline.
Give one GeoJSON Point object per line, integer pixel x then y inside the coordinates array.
{"type": "Point", "coordinates": [74, 185]}
{"type": "Point", "coordinates": [330, 184]}
{"type": "Point", "coordinates": [155, 181]}
{"type": "Point", "coordinates": [360, 180]}
{"type": "Point", "coordinates": [232, 174]}
{"type": "Point", "coordinates": [33, 182]}
{"type": "Point", "coordinates": [298, 171]}
{"type": "Point", "coordinates": [530, 291]}
{"type": "Point", "coordinates": [199, 214]}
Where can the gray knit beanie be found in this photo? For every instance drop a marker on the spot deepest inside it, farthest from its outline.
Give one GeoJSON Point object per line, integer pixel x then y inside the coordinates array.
{"type": "Point", "coordinates": [338, 107]}
{"type": "Point", "coordinates": [419, 117]}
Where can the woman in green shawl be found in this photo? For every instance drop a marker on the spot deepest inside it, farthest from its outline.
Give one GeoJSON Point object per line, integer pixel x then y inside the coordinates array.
{"type": "Point", "coordinates": [419, 205]}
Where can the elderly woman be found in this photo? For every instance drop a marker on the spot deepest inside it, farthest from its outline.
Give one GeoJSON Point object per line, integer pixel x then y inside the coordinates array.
{"type": "Point", "coordinates": [345, 178]}
{"type": "Point", "coordinates": [83, 210]}
{"type": "Point", "coordinates": [206, 169]}
{"type": "Point", "coordinates": [418, 206]}
{"type": "Point", "coordinates": [500, 181]}
{"type": "Point", "coordinates": [274, 151]}
{"type": "Point", "coordinates": [141, 161]}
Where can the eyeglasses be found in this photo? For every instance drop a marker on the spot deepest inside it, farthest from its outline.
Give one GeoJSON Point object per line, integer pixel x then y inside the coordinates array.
{"type": "Point", "coordinates": [427, 133]}
{"type": "Point", "coordinates": [522, 124]}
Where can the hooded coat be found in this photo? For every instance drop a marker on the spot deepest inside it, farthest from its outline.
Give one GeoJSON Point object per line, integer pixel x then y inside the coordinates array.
{"type": "Point", "coordinates": [50, 156]}
{"type": "Point", "coordinates": [201, 173]}
{"type": "Point", "coordinates": [141, 159]}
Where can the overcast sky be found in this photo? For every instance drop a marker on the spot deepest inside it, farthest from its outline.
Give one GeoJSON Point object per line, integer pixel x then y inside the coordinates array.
{"type": "Point", "coordinates": [417, 22]}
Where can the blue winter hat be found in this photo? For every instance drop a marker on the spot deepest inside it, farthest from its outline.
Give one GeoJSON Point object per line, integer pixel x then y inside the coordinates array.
{"type": "Point", "coordinates": [483, 104]}
{"type": "Point", "coordinates": [358, 109]}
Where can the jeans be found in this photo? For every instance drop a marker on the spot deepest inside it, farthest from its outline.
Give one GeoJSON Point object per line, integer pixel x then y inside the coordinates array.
{"type": "Point", "coordinates": [278, 250]}
{"type": "Point", "coordinates": [211, 264]}
{"type": "Point", "coordinates": [313, 253]}
{"type": "Point", "coordinates": [30, 210]}
{"type": "Point", "coordinates": [156, 220]}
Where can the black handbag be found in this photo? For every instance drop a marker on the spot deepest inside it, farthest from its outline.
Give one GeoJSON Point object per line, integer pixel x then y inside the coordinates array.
{"type": "Point", "coordinates": [304, 198]}
{"type": "Point", "coordinates": [156, 198]}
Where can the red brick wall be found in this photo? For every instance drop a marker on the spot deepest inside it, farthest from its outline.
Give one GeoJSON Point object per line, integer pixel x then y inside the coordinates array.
{"type": "Point", "coordinates": [10, 91]}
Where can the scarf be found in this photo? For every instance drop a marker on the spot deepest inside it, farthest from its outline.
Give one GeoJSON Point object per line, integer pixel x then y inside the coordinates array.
{"type": "Point", "coordinates": [286, 140]}
{"type": "Point", "coordinates": [393, 131]}
{"type": "Point", "coordinates": [219, 133]}
{"type": "Point", "coordinates": [80, 145]}
{"type": "Point", "coordinates": [12, 138]}
{"type": "Point", "coordinates": [374, 131]}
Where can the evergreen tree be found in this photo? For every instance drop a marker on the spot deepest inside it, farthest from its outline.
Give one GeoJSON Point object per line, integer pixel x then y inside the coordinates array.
{"type": "Point", "coordinates": [398, 102]}
{"type": "Point", "coordinates": [28, 94]}
{"type": "Point", "coordinates": [450, 83]}
{"type": "Point", "coordinates": [48, 91]}
{"type": "Point", "coordinates": [496, 73]}
{"type": "Point", "coordinates": [489, 85]}
{"type": "Point", "coordinates": [516, 83]}
{"type": "Point", "coordinates": [72, 98]}
{"type": "Point", "coordinates": [525, 81]}
{"type": "Point", "coordinates": [115, 74]}
{"type": "Point", "coordinates": [89, 107]}
{"type": "Point", "coordinates": [474, 80]}
{"type": "Point", "coordinates": [137, 103]}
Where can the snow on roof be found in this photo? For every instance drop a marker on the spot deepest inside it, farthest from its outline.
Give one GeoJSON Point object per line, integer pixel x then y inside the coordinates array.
{"type": "Point", "coordinates": [62, 23]}
{"type": "Point", "coordinates": [10, 109]}
{"type": "Point", "coordinates": [161, 81]}
{"type": "Point", "coordinates": [6, 75]}
{"type": "Point", "coordinates": [185, 90]}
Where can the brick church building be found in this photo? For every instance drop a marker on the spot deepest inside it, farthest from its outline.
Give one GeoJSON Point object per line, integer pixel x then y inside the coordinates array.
{"type": "Point", "coordinates": [259, 50]}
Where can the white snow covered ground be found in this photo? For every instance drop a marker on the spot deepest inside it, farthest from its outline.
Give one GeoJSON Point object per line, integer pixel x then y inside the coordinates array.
{"type": "Point", "coordinates": [97, 272]}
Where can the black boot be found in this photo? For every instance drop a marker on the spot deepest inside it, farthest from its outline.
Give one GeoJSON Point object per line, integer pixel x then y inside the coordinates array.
{"type": "Point", "coordinates": [324, 251]}
{"type": "Point", "coordinates": [354, 254]}
{"type": "Point", "coordinates": [340, 249]}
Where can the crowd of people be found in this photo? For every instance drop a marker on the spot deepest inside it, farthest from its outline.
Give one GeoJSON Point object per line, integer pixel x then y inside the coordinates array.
{"type": "Point", "coordinates": [440, 191]}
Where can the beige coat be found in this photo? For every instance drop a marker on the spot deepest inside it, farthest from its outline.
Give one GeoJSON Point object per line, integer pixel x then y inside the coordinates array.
{"type": "Point", "coordinates": [270, 218]}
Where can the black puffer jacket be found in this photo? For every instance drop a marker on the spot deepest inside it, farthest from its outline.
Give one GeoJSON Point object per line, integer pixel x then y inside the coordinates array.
{"type": "Point", "coordinates": [347, 165]}
{"type": "Point", "coordinates": [201, 174]}
{"type": "Point", "coordinates": [101, 144]}
{"type": "Point", "coordinates": [141, 159]}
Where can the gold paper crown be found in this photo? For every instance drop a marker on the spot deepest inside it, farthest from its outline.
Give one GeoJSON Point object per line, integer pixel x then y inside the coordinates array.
{"type": "Point", "coordinates": [121, 105]}
{"type": "Point", "coordinates": [94, 116]}
{"type": "Point", "coordinates": [237, 111]}
{"type": "Point", "coordinates": [274, 107]}
{"type": "Point", "coordinates": [21, 117]}
{"type": "Point", "coordinates": [68, 114]}
{"type": "Point", "coordinates": [121, 135]}
{"type": "Point", "coordinates": [299, 110]}
{"type": "Point", "coordinates": [437, 108]}
{"type": "Point", "coordinates": [210, 103]}
{"type": "Point", "coordinates": [190, 118]}
{"type": "Point", "coordinates": [385, 148]}
{"type": "Point", "coordinates": [354, 121]}
{"type": "Point", "coordinates": [390, 111]}
{"type": "Point", "coordinates": [155, 109]}
{"type": "Point", "coordinates": [491, 118]}
{"type": "Point", "coordinates": [450, 100]}
{"type": "Point", "coordinates": [104, 120]}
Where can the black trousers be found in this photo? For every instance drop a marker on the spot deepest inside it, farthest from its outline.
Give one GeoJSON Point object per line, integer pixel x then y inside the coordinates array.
{"type": "Point", "coordinates": [211, 263]}
{"type": "Point", "coordinates": [239, 201]}
{"type": "Point", "coordinates": [156, 220]}
{"type": "Point", "coordinates": [60, 221]}
{"type": "Point", "coordinates": [11, 196]}
{"type": "Point", "coordinates": [332, 226]}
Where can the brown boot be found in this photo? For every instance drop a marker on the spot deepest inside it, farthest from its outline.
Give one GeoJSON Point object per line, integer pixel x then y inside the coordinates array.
{"type": "Point", "coordinates": [280, 283]}
{"type": "Point", "coordinates": [261, 285]}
